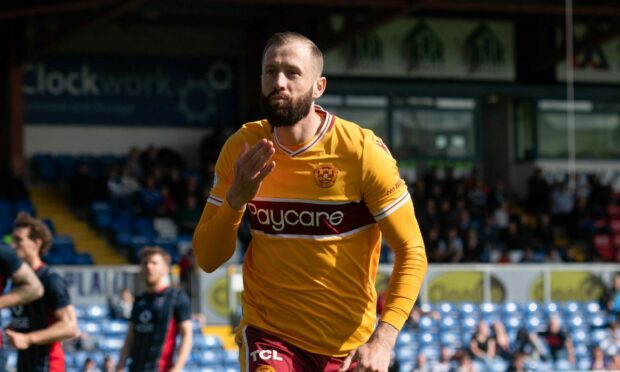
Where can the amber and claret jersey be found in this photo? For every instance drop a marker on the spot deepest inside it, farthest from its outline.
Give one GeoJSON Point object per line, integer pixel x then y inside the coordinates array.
{"type": "Point", "coordinates": [316, 223]}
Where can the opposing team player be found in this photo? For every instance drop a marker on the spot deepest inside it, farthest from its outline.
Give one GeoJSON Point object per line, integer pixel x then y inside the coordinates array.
{"type": "Point", "coordinates": [320, 192]}
{"type": "Point", "coordinates": [157, 317]}
{"type": "Point", "coordinates": [37, 328]}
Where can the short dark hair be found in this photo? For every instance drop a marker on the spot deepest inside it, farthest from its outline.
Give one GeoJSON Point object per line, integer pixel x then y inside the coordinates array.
{"type": "Point", "coordinates": [147, 252]}
{"type": "Point", "coordinates": [285, 37]}
{"type": "Point", "coordinates": [38, 230]}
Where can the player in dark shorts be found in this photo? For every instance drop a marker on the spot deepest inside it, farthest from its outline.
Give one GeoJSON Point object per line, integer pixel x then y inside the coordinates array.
{"type": "Point", "coordinates": [37, 328]}
{"type": "Point", "coordinates": [157, 317]}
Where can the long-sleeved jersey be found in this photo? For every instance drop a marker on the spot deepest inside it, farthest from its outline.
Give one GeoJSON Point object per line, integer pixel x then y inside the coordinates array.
{"type": "Point", "coordinates": [316, 222]}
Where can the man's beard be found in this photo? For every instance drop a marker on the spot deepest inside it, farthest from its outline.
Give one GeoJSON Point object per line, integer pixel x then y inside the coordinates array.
{"type": "Point", "coordinates": [287, 114]}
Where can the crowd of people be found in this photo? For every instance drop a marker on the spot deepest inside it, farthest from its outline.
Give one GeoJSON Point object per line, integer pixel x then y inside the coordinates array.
{"type": "Point", "coordinates": [464, 220]}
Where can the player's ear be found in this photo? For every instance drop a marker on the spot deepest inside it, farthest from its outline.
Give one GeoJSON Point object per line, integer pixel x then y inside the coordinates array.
{"type": "Point", "coordinates": [319, 87]}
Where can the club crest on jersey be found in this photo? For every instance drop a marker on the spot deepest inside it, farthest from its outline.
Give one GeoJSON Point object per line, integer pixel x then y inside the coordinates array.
{"type": "Point", "coordinates": [325, 175]}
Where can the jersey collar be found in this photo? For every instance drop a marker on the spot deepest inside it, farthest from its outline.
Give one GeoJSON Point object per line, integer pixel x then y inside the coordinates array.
{"type": "Point", "coordinates": [325, 126]}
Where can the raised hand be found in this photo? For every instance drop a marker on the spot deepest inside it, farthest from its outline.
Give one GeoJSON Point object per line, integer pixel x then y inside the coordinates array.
{"type": "Point", "coordinates": [251, 168]}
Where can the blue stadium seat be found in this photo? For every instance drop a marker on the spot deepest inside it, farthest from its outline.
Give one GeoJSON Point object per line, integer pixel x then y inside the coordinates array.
{"type": "Point", "coordinates": [551, 308]}
{"type": "Point", "coordinates": [66, 165]}
{"type": "Point", "coordinates": [209, 357]}
{"type": "Point", "coordinates": [428, 324]}
{"type": "Point", "coordinates": [407, 367]}
{"type": "Point", "coordinates": [581, 350]}
{"type": "Point", "coordinates": [592, 308]}
{"type": "Point", "coordinates": [451, 340]}
{"type": "Point", "coordinates": [406, 354]}
{"type": "Point", "coordinates": [115, 327]}
{"type": "Point", "coordinates": [111, 345]}
{"type": "Point", "coordinates": [571, 307]}
{"type": "Point", "coordinates": [449, 323]}
{"type": "Point", "coordinates": [563, 365]}
{"type": "Point", "coordinates": [447, 308]}
{"type": "Point", "coordinates": [44, 167]}
{"type": "Point", "coordinates": [431, 352]}
{"type": "Point", "coordinates": [488, 308]}
{"type": "Point", "coordinates": [231, 357]}
{"type": "Point", "coordinates": [512, 322]}
{"type": "Point", "coordinates": [598, 321]}
{"type": "Point", "coordinates": [580, 336]}
{"type": "Point", "coordinates": [92, 328]}
{"type": "Point", "coordinates": [598, 335]}
{"type": "Point", "coordinates": [212, 341]}
{"type": "Point", "coordinates": [469, 323]}
{"type": "Point", "coordinates": [584, 363]}
{"type": "Point", "coordinates": [512, 309]}
{"type": "Point", "coordinates": [534, 323]}
{"type": "Point", "coordinates": [96, 312]}
{"type": "Point", "coordinates": [468, 309]}
{"type": "Point", "coordinates": [406, 337]}
{"type": "Point", "coordinates": [574, 321]}
{"type": "Point", "coordinates": [428, 339]}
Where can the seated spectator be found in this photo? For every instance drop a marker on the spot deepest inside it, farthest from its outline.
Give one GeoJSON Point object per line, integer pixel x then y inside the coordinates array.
{"type": "Point", "coordinates": [557, 341]}
{"type": "Point", "coordinates": [502, 341]}
{"type": "Point", "coordinates": [90, 366]}
{"type": "Point", "coordinates": [526, 343]}
{"type": "Point", "coordinates": [454, 246]}
{"type": "Point", "coordinates": [444, 364]}
{"type": "Point", "coordinates": [518, 363]}
{"type": "Point", "coordinates": [611, 344]}
{"type": "Point", "coordinates": [466, 364]}
{"type": "Point", "coordinates": [121, 305]}
{"type": "Point", "coordinates": [599, 362]}
{"type": "Point", "coordinates": [108, 364]}
{"type": "Point", "coordinates": [150, 198]}
{"type": "Point", "coordinates": [482, 346]}
{"type": "Point", "coordinates": [421, 364]}
{"type": "Point", "coordinates": [614, 298]}
{"type": "Point", "coordinates": [189, 214]}
{"type": "Point", "coordinates": [436, 248]}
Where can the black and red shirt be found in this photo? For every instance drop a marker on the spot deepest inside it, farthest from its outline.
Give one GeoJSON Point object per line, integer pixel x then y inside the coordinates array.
{"type": "Point", "coordinates": [40, 315]}
{"type": "Point", "coordinates": [155, 317]}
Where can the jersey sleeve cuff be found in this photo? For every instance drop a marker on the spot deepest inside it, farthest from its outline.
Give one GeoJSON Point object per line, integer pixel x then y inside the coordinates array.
{"type": "Point", "coordinates": [394, 318]}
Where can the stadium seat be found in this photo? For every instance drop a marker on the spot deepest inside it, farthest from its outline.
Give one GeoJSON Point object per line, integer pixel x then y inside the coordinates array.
{"type": "Point", "coordinates": [580, 335]}
{"type": "Point", "coordinates": [584, 363]}
{"type": "Point", "coordinates": [428, 324]}
{"type": "Point", "coordinates": [24, 205]}
{"type": "Point", "coordinates": [468, 323]}
{"type": "Point", "coordinates": [92, 328]}
{"type": "Point", "coordinates": [212, 341]}
{"type": "Point", "coordinates": [447, 308]}
{"type": "Point", "coordinates": [598, 335]}
{"type": "Point", "coordinates": [448, 323]}
{"type": "Point", "coordinates": [96, 312]}
{"type": "Point", "coordinates": [512, 309]}
{"type": "Point", "coordinates": [407, 367]}
{"type": "Point", "coordinates": [231, 357]}
{"type": "Point", "coordinates": [115, 327]}
{"type": "Point", "coordinates": [406, 337]}
{"type": "Point", "coordinates": [111, 345]}
{"type": "Point", "coordinates": [209, 358]}
{"type": "Point", "coordinates": [468, 309]}
{"type": "Point", "coordinates": [450, 339]}
{"type": "Point", "coordinates": [428, 339]}
{"type": "Point", "coordinates": [513, 323]}
{"type": "Point", "coordinates": [406, 354]}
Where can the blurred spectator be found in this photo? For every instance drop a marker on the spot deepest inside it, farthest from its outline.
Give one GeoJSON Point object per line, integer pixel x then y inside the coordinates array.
{"type": "Point", "coordinates": [557, 341]}
{"type": "Point", "coordinates": [611, 344]}
{"type": "Point", "coordinates": [108, 364]}
{"type": "Point", "coordinates": [444, 363]}
{"type": "Point", "coordinates": [614, 365]}
{"type": "Point", "coordinates": [454, 246]}
{"type": "Point", "coordinates": [189, 214]}
{"type": "Point", "coordinates": [482, 346]}
{"type": "Point", "coordinates": [421, 363]}
{"type": "Point", "coordinates": [168, 206]}
{"type": "Point", "coordinates": [120, 305]}
{"type": "Point", "coordinates": [134, 165]}
{"type": "Point", "coordinates": [90, 366]}
{"type": "Point", "coordinates": [538, 193]}
{"type": "Point", "coordinates": [613, 305]}
{"type": "Point", "coordinates": [187, 265]}
{"type": "Point", "coordinates": [518, 363]}
{"type": "Point", "coordinates": [473, 247]}
{"type": "Point", "coordinates": [502, 342]}
{"type": "Point", "coordinates": [436, 248]}
{"type": "Point", "coordinates": [150, 198]}
{"type": "Point", "coordinates": [599, 362]}
{"type": "Point", "coordinates": [526, 343]}
{"type": "Point", "coordinates": [466, 364]}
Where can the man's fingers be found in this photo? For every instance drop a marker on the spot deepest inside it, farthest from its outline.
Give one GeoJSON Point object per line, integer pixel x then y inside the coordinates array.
{"type": "Point", "coordinates": [265, 171]}
{"type": "Point", "coordinates": [250, 163]}
{"type": "Point", "coordinates": [346, 363]}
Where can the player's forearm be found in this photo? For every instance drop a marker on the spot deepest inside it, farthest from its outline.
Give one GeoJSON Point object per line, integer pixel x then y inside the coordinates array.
{"type": "Point", "coordinates": [122, 358]}
{"type": "Point", "coordinates": [184, 350]}
{"type": "Point", "coordinates": [59, 331]}
{"type": "Point", "coordinates": [402, 234]}
{"type": "Point", "coordinates": [21, 294]}
{"type": "Point", "coordinates": [215, 236]}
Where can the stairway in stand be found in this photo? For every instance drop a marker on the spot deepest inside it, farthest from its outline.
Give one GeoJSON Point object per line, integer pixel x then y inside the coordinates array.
{"type": "Point", "coordinates": [51, 203]}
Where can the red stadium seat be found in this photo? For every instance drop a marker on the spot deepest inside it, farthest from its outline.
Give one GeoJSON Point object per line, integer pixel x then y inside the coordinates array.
{"type": "Point", "coordinates": [602, 243]}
